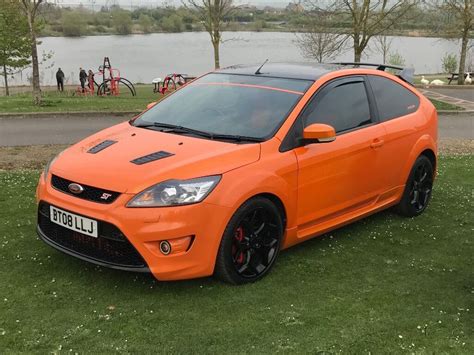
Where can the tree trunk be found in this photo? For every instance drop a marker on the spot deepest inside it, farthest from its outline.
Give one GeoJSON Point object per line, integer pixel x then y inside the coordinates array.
{"type": "Point", "coordinates": [34, 61]}
{"type": "Point", "coordinates": [215, 44]}
{"type": "Point", "coordinates": [5, 78]}
{"type": "Point", "coordinates": [357, 54]}
{"type": "Point", "coordinates": [462, 58]}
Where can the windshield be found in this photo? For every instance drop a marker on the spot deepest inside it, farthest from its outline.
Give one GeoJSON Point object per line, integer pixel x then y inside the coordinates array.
{"type": "Point", "coordinates": [226, 104]}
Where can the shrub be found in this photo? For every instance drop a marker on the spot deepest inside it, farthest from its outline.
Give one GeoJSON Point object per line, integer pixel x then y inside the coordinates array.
{"type": "Point", "coordinates": [396, 59]}
{"type": "Point", "coordinates": [122, 22]}
{"type": "Point", "coordinates": [450, 63]}
{"type": "Point", "coordinates": [146, 23]}
{"type": "Point", "coordinates": [72, 25]}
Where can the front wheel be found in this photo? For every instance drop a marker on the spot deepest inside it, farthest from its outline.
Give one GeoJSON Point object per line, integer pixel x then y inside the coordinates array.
{"type": "Point", "coordinates": [251, 242]}
{"type": "Point", "coordinates": [418, 188]}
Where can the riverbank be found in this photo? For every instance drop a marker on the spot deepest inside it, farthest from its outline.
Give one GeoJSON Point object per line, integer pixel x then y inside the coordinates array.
{"type": "Point", "coordinates": [249, 27]}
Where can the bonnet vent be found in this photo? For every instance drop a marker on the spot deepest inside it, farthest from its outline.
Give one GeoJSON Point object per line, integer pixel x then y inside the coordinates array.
{"type": "Point", "coordinates": [101, 146]}
{"type": "Point", "coordinates": [151, 157]}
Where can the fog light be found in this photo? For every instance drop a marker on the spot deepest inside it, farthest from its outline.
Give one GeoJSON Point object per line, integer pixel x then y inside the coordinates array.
{"type": "Point", "coordinates": [165, 247]}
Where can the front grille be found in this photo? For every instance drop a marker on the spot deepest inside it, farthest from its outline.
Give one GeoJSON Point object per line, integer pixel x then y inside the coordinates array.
{"type": "Point", "coordinates": [90, 193]}
{"type": "Point", "coordinates": [111, 247]}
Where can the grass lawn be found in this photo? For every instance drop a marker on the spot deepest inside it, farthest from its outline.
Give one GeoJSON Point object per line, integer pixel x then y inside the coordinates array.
{"type": "Point", "coordinates": [66, 102]}
{"type": "Point", "coordinates": [383, 285]}
{"type": "Point", "coordinates": [441, 105]}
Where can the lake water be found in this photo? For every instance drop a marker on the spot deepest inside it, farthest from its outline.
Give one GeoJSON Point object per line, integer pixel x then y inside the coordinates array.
{"type": "Point", "coordinates": [140, 58]}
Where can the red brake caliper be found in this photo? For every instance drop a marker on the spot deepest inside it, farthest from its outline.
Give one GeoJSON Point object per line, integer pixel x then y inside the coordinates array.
{"type": "Point", "coordinates": [239, 236]}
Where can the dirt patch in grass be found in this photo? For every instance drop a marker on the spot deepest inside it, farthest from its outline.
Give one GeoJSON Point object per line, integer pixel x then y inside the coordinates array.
{"type": "Point", "coordinates": [36, 156]}
{"type": "Point", "coordinates": [27, 157]}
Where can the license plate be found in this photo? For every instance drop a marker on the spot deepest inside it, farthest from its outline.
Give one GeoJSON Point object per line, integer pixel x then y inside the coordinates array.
{"type": "Point", "coordinates": [73, 222]}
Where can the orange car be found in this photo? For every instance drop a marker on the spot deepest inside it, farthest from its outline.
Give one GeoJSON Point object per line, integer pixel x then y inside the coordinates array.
{"type": "Point", "coordinates": [225, 172]}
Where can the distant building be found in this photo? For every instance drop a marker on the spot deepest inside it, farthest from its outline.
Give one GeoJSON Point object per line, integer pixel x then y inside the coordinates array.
{"type": "Point", "coordinates": [295, 7]}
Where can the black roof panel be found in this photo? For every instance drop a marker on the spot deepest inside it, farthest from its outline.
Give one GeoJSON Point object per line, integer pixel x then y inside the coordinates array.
{"type": "Point", "coordinates": [306, 71]}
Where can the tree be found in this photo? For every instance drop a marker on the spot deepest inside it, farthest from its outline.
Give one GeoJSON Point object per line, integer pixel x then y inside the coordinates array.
{"type": "Point", "coordinates": [72, 24]}
{"type": "Point", "coordinates": [14, 41]}
{"type": "Point", "coordinates": [122, 22]}
{"type": "Point", "coordinates": [367, 18]}
{"type": "Point", "coordinates": [459, 26]}
{"type": "Point", "coordinates": [382, 45]}
{"type": "Point", "coordinates": [146, 23]}
{"type": "Point", "coordinates": [30, 9]}
{"type": "Point", "coordinates": [212, 14]}
{"type": "Point", "coordinates": [317, 43]}
{"type": "Point", "coordinates": [449, 63]}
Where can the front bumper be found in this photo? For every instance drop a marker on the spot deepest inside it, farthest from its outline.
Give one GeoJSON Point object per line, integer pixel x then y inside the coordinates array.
{"type": "Point", "coordinates": [144, 229]}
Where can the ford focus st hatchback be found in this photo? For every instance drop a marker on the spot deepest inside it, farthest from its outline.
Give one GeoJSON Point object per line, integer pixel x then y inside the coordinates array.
{"type": "Point", "coordinates": [222, 174]}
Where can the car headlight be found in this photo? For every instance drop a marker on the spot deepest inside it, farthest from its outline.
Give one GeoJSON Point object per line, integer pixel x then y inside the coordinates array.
{"type": "Point", "coordinates": [48, 166]}
{"type": "Point", "coordinates": [175, 192]}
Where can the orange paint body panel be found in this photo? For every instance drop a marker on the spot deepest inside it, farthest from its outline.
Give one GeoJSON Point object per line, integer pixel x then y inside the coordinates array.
{"type": "Point", "coordinates": [319, 186]}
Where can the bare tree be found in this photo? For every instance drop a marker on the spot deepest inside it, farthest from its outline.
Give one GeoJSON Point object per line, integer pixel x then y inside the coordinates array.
{"type": "Point", "coordinates": [371, 18]}
{"type": "Point", "coordinates": [382, 45]}
{"type": "Point", "coordinates": [212, 14]}
{"type": "Point", "coordinates": [459, 25]}
{"type": "Point", "coordinates": [30, 8]}
{"type": "Point", "coordinates": [317, 43]}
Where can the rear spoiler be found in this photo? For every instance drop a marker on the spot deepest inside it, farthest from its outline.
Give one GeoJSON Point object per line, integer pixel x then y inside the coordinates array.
{"type": "Point", "coordinates": [406, 74]}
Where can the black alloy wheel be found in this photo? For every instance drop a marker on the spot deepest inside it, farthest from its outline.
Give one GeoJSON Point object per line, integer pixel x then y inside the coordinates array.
{"type": "Point", "coordinates": [418, 189]}
{"type": "Point", "coordinates": [251, 242]}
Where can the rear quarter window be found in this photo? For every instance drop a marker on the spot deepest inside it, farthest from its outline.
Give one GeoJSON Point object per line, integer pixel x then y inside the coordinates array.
{"type": "Point", "coordinates": [392, 99]}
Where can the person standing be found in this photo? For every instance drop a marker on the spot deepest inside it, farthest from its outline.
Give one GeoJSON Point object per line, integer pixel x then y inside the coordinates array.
{"type": "Point", "coordinates": [82, 78]}
{"type": "Point", "coordinates": [60, 79]}
{"type": "Point", "coordinates": [90, 80]}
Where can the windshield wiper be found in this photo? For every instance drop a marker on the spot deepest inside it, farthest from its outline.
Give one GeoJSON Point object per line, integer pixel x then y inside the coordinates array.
{"type": "Point", "coordinates": [180, 129]}
{"type": "Point", "coordinates": [167, 127]}
{"type": "Point", "coordinates": [236, 138]}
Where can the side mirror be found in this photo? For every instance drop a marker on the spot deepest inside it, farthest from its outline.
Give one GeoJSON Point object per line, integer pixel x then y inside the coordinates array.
{"type": "Point", "coordinates": [150, 105]}
{"type": "Point", "coordinates": [319, 133]}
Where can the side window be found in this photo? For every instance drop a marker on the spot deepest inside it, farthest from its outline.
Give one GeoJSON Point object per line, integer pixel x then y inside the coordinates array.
{"type": "Point", "coordinates": [393, 100]}
{"type": "Point", "coordinates": [344, 106]}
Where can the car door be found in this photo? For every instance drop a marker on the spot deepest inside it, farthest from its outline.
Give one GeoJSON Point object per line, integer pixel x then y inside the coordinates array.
{"type": "Point", "coordinates": [340, 177]}
{"type": "Point", "coordinates": [397, 111]}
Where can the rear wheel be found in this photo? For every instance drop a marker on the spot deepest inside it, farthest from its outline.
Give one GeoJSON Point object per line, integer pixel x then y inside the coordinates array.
{"type": "Point", "coordinates": [251, 242]}
{"type": "Point", "coordinates": [418, 188]}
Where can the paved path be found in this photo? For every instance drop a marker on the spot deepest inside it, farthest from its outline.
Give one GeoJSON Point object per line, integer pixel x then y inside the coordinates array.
{"type": "Point", "coordinates": [460, 97]}
{"type": "Point", "coordinates": [62, 130]}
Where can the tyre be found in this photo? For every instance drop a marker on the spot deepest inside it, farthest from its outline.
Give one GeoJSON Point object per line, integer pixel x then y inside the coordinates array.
{"type": "Point", "coordinates": [418, 189]}
{"type": "Point", "coordinates": [251, 242]}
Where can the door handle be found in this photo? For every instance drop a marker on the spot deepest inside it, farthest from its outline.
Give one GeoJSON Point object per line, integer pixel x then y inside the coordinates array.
{"type": "Point", "coordinates": [377, 143]}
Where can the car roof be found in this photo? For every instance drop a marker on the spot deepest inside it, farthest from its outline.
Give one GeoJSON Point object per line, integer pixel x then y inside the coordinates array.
{"type": "Point", "coordinates": [305, 71]}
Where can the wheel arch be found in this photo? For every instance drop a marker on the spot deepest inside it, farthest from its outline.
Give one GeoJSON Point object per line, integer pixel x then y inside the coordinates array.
{"type": "Point", "coordinates": [425, 145]}
{"type": "Point", "coordinates": [429, 153]}
{"type": "Point", "coordinates": [277, 202]}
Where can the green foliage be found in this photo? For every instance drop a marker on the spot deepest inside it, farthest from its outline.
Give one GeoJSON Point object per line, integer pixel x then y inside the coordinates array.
{"type": "Point", "coordinates": [72, 24]}
{"type": "Point", "coordinates": [173, 23]}
{"type": "Point", "coordinates": [122, 22]}
{"type": "Point", "coordinates": [259, 25]}
{"type": "Point", "coordinates": [15, 43]}
{"type": "Point", "coordinates": [146, 23]}
{"type": "Point", "coordinates": [396, 59]}
{"type": "Point", "coordinates": [450, 63]}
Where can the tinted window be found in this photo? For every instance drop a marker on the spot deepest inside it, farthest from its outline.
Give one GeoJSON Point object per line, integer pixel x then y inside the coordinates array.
{"type": "Point", "coordinates": [393, 100]}
{"type": "Point", "coordinates": [344, 107]}
{"type": "Point", "coordinates": [279, 83]}
{"type": "Point", "coordinates": [221, 104]}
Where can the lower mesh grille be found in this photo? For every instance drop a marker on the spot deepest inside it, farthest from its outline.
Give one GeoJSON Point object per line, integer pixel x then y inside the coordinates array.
{"type": "Point", "coordinates": [111, 247]}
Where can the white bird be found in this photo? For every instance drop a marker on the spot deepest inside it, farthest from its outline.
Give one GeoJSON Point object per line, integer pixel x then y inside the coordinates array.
{"type": "Point", "coordinates": [437, 82]}
{"type": "Point", "coordinates": [468, 79]}
{"type": "Point", "coordinates": [424, 81]}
